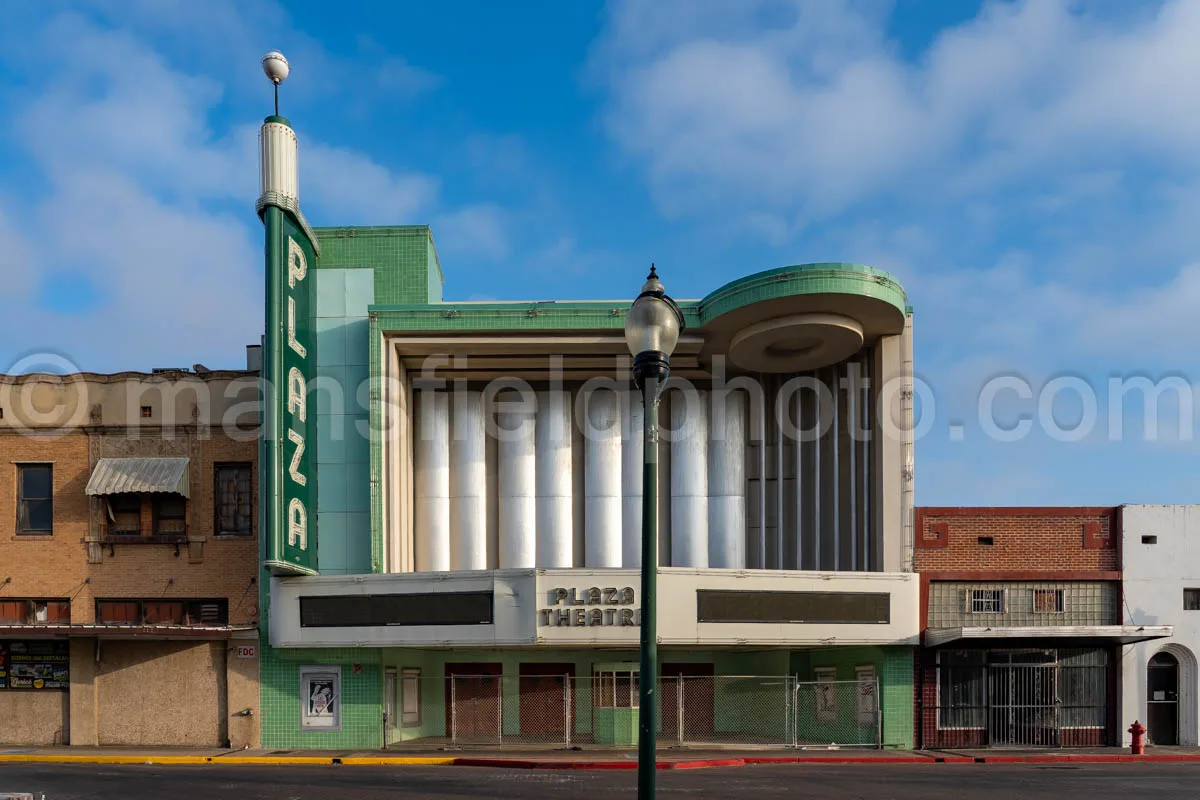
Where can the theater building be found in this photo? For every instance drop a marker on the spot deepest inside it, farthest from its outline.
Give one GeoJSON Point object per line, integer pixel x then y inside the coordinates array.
{"type": "Point", "coordinates": [1023, 629]}
{"type": "Point", "coordinates": [452, 503]}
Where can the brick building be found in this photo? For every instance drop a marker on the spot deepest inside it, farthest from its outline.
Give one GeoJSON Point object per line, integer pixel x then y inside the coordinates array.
{"type": "Point", "coordinates": [128, 558]}
{"type": "Point", "coordinates": [1021, 626]}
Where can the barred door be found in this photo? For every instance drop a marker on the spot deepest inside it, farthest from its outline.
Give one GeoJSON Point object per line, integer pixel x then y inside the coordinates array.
{"type": "Point", "coordinates": [1024, 705]}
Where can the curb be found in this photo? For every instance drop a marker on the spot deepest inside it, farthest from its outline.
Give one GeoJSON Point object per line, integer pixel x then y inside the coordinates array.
{"type": "Point", "coordinates": [241, 760]}
{"type": "Point", "coordinates": [1098, 758]}
{"type": "Point", "coordinates": [550, 764]}
{"type": "Point", "coordinates": [514, 763]}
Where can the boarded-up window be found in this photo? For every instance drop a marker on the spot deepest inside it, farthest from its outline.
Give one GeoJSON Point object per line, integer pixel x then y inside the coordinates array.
{"type": "Point", "coordinates": [234, 508]}
{"type": "Point", "coordinates": [118, 612]}
{"type": "Point", "coordinates": [13, 612]}
{"type": "Point", "coordinates": [163, 612]}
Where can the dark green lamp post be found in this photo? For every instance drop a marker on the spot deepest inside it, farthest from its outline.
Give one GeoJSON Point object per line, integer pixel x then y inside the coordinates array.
{"type": "Point", "coordinates": [652, 329]}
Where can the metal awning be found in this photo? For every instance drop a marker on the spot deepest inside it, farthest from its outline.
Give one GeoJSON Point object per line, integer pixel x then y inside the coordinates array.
{"type": "Point", "coordinates": [132, 475]}
{"type": "Point", "coordinates": [1116, 634]}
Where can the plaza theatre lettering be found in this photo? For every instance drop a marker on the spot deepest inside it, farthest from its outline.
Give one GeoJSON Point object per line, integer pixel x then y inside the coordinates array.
{"type": "Point", "coordinates": [295, 358]}
{"type": "Point", "coordinates": [590, 608]}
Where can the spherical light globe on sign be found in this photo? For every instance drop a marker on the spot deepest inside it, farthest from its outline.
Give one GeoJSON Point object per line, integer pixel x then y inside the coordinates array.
{"type": "Point", "coordinates": [276, 67]}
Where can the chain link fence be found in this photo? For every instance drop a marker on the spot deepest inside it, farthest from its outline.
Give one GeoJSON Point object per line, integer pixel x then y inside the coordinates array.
{"type": "Point", "coordinates": [693, 711]}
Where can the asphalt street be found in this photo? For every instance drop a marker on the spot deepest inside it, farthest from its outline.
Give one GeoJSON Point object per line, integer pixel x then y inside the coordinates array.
{"type": "Point", "coordinates": [900, 782]}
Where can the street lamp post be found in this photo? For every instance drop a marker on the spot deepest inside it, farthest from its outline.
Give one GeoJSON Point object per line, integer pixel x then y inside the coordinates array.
{"type": "Point", "coordinates": [652, 329]}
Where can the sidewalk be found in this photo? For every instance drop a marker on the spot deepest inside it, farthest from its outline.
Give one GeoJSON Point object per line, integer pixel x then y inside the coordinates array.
{"type": "Point", "coordinates": [580, 759]}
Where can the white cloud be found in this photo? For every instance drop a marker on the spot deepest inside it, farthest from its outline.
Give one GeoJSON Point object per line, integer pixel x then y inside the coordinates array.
{"type": "Point", "coordinates": [818, 112]}
{"type": "Point", "coordinates": [479, 230]}
{"type": "Point", "coordinates": [144, 194]}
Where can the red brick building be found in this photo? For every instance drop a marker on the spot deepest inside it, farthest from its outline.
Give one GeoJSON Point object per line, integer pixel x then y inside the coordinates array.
{"type": "Point", "coordinates": [1021, 626]}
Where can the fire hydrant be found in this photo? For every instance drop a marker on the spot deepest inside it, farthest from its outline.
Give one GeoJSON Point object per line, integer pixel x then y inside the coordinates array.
{"type": "Point", "coordinates": [1138, 746]}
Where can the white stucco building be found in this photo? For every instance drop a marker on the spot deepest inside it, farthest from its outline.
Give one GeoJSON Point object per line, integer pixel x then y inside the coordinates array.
{"type": "Point", "coordinates": [1160, 547]}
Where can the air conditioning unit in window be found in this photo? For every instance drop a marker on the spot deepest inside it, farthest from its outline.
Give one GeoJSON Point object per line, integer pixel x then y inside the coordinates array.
{"type": "Point", "coordinates": [41, 613]}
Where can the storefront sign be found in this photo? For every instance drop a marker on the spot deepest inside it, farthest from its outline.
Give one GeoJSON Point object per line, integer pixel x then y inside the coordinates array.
{"type": "Point", "coordinates": [290, 429]}
{"type": "Point", "coordinates": [35, 665]}
{"type": "Point", "coordinates": [589, 608]}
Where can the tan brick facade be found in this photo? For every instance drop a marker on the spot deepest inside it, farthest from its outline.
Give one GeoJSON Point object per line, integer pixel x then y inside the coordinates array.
{"type": "Point", "coordinates": [57, 566]}
{"type": "Point", "coordinates": [77, 562]}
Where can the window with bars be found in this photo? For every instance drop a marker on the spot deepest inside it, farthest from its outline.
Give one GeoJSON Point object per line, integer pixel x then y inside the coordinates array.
{"type": "Point", "coordinates": [1191, 599]}
{"type": "Point", "coordinates": [986, 601]}
{"type": "Point", "coordinates": [35, 499]}
{"type": "Point", "coordinates": [615, 689]}
{"type": "Point", "coordinates": [189, 613]}
{"type": "Point", "coordinates": [231, 494]}
{"type": "Point", "coordinates": [1049, 601]}
{"type": "Point", "coordinates": [962, 689]}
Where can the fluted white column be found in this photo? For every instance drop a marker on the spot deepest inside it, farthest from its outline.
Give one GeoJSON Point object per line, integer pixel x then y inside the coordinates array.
{"type": "Point", "coordinates": [555, 535]}
{"type": "Point", "coordinates": [727, 482]}
{"type": "Point", "coordinates": [431, 488]}
{"type": "Point", "coordinates": [468, 483]}
{"type": "Point", "coordinates": [689, 479]}
{"type": "Point", "coordinates": [516, 487]}
{"type": "Point", "coordinates": [632, 448]}
{"type": "Point", "coordinates": [602, 479]}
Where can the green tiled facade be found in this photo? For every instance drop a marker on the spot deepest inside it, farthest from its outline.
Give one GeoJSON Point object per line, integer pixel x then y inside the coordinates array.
{"type": "Point", "coordinates": [370, 281]}
{"type": "Point", "coordinates": [403, 257]}
{"type": "Point", "coordinates": [362, 687]}
{"type": "Point", "coordinates": [894, 671]}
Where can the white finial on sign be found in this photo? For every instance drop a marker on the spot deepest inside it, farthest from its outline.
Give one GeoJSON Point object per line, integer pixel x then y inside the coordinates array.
{"type": "Point", "coordinates": [277, 69]}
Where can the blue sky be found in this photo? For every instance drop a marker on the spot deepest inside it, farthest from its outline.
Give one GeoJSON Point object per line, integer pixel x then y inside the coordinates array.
{"type": "Point", "coordinates": [1029, 170]}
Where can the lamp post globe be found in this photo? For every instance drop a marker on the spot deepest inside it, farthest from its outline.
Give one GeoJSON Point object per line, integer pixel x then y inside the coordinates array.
{"type": "Point", "coordinates": [652, 329]}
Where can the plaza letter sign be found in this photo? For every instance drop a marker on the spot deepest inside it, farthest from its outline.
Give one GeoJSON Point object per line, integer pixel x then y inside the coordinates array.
{"type": "Point", "coordinates": [289, 425]}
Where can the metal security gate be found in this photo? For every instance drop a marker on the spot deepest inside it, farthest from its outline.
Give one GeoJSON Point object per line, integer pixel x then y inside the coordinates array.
{"type": "Point", "coordinates": [1020, 698]}
{"type": "Point", "coordinates": [1024, 708]}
